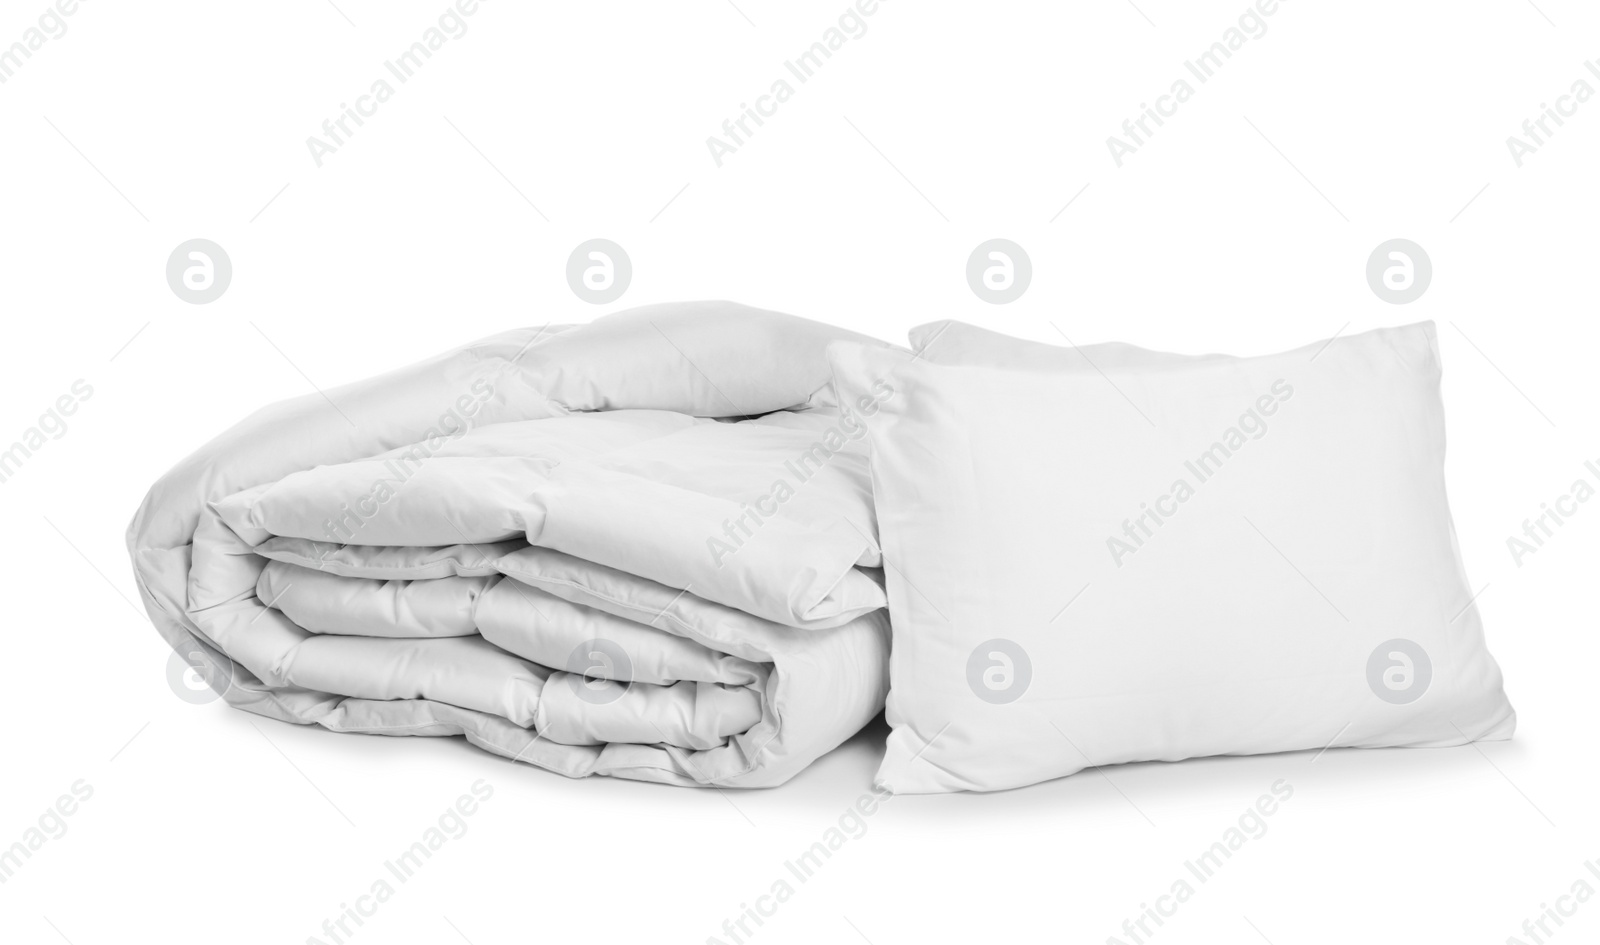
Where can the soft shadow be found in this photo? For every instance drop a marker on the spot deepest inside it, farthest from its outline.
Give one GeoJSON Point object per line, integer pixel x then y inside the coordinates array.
{"type": "Point", "coordinates": [1140, 792]}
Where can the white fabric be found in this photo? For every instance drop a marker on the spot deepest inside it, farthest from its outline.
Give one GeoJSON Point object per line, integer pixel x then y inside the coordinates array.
{"type": "Point", "coordinates": [437, 551]}
{"type": "Point", "coordinates": [1106, 555]}
{"type": "Point", "coordinates": [745, 361]}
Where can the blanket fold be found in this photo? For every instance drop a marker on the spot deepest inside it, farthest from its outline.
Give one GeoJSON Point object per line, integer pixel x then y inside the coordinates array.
{"type": "Point", "coordinates": [572, 545]}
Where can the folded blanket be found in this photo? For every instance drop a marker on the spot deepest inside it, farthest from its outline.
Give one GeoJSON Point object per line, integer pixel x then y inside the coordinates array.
{"type": "Point", "coordinates": [643, 547]}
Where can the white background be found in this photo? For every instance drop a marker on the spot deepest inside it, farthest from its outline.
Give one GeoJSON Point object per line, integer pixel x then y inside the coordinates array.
{"type": "Point", "coordinates": [1243, 226]}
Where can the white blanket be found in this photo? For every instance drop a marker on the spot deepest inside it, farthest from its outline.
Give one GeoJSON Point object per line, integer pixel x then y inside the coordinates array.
{"type": "Point", "coordinates": [643, 547]}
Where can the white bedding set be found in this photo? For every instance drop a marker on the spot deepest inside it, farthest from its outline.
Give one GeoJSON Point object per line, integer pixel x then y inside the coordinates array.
{"type": "Point", "coordinates": [566, 543]}
{"type": "Point", "coordinates": [647, 547]}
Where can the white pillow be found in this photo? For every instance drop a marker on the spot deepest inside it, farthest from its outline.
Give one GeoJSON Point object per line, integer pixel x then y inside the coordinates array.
{"type": "Point", "coordinates": [952, 342]}
{"type": "Point", "coordinates": [1143, 556]}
